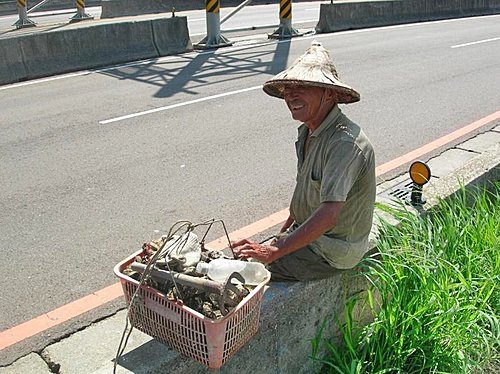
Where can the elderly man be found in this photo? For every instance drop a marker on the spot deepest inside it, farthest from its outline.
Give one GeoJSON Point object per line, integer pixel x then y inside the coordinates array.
{"type": "Point", "coordinates": [331, 209]}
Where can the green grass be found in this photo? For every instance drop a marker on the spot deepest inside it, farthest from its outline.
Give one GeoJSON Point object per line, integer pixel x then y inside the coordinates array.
{"type": "Point", "coordinates": [435, 298]}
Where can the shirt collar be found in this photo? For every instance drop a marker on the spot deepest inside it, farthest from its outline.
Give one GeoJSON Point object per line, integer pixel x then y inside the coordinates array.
{"type": "Point", "coordinates": [329, 120]}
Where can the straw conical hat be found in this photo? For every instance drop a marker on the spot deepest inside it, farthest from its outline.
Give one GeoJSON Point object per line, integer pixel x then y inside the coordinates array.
{"type": "Point", "coordinates": [313, 68]}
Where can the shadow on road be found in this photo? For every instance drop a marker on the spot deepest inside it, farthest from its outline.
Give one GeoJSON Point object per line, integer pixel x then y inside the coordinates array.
{"type": "Point", "coordinates": [189, 72]}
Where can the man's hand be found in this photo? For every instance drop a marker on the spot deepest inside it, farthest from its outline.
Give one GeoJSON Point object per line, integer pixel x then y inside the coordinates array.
{"type": "Point", "coordinates": [264, 253]}
{"type": "Point", "coordinates": [323, 219]}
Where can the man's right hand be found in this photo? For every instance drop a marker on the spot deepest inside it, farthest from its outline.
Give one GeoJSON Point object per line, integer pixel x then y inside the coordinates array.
{"type": "Point", "coordinates": [246, 248]}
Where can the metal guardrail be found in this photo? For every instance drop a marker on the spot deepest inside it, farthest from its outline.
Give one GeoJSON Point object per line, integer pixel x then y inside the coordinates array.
{"type": "Point", "coordinates": [236, 10]}
{"type": "Point", "coordinates": [36, 6]}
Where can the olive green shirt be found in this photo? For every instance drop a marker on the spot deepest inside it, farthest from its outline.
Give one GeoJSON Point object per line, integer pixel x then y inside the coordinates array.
{"type": "Point", "coordinates": [339, 166]}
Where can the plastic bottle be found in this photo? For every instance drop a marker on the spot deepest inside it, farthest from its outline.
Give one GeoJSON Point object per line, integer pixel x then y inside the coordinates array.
{"type": "Point", "coordinates": [220, 269]}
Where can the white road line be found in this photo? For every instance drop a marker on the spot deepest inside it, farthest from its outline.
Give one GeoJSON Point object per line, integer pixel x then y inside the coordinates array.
{"type": "Point", "coordinates": [138, 114]}
{"type": "Point", "coordinates": [472, 43]}
{"type": "Point", "coordinates": [36, 81]}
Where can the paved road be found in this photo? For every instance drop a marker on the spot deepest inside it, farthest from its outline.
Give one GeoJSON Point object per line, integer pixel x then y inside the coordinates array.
{"type": "Point", "coordinates": [82, 188]}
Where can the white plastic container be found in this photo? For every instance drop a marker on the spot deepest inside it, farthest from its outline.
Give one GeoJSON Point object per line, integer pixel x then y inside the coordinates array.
{"type": "Point", "coordinates": [220, 269]}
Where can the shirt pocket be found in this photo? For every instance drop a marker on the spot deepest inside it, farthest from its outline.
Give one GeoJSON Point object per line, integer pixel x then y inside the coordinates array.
{"type": "Point", "coordinates": [314, 192]}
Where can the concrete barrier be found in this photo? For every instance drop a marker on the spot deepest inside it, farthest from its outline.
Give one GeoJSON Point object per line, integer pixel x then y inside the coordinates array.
{"type": "Point", "coordinates": [171, 37]}
{"type": "Point", "coordinates": [8, 7]}
{"type": "Point", "coordinates": [77, 49]}
{"type": "Point", "coordinates": [87, 46]}
{"type": "Point", "coordinates": [352, 15]}
{"type": "Point", "coordinates": [11, 61]}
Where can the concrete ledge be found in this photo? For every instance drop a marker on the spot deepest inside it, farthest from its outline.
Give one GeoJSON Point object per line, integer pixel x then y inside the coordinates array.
{"type": "Point", "coordinates": [290, 315]}
{"type": "Point", "coordinates": [352, 15]}
{"type": "Point", "coordinates": [87, 46]}
{"type": "Point", "coordinates": [480, 171]}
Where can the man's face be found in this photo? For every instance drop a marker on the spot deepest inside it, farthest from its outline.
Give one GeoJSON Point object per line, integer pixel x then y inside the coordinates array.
{"type": "Point", "coordinates": [305, 103]}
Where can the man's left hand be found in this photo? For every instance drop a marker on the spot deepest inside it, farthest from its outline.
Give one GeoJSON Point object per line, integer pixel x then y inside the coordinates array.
{"type": "Point", "coordinates": [263, 253]}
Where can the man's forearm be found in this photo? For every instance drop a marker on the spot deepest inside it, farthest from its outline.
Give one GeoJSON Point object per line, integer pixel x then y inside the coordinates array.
{"type": "Point", "coordinates": [322, 220]}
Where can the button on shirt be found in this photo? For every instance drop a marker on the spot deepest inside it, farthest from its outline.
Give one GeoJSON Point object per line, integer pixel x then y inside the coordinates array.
{"type": "Point", "coordinates": [339, 166]}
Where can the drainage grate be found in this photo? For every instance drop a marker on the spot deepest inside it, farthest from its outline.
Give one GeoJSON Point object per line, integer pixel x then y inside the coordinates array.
{"type": "Point", "coordinates": [400, 191]}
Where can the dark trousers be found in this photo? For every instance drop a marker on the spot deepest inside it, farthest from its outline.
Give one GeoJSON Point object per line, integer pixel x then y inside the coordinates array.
{"type": "Point", "coordinates": [301, 265]}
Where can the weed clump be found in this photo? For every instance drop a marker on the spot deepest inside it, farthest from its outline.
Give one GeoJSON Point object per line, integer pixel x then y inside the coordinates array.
{"type": "Point", "coordinates": [437, 281]}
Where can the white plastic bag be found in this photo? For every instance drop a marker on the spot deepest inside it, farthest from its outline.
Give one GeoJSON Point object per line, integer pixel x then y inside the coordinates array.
{"type": "Point", "coordinates": [184, 249]}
